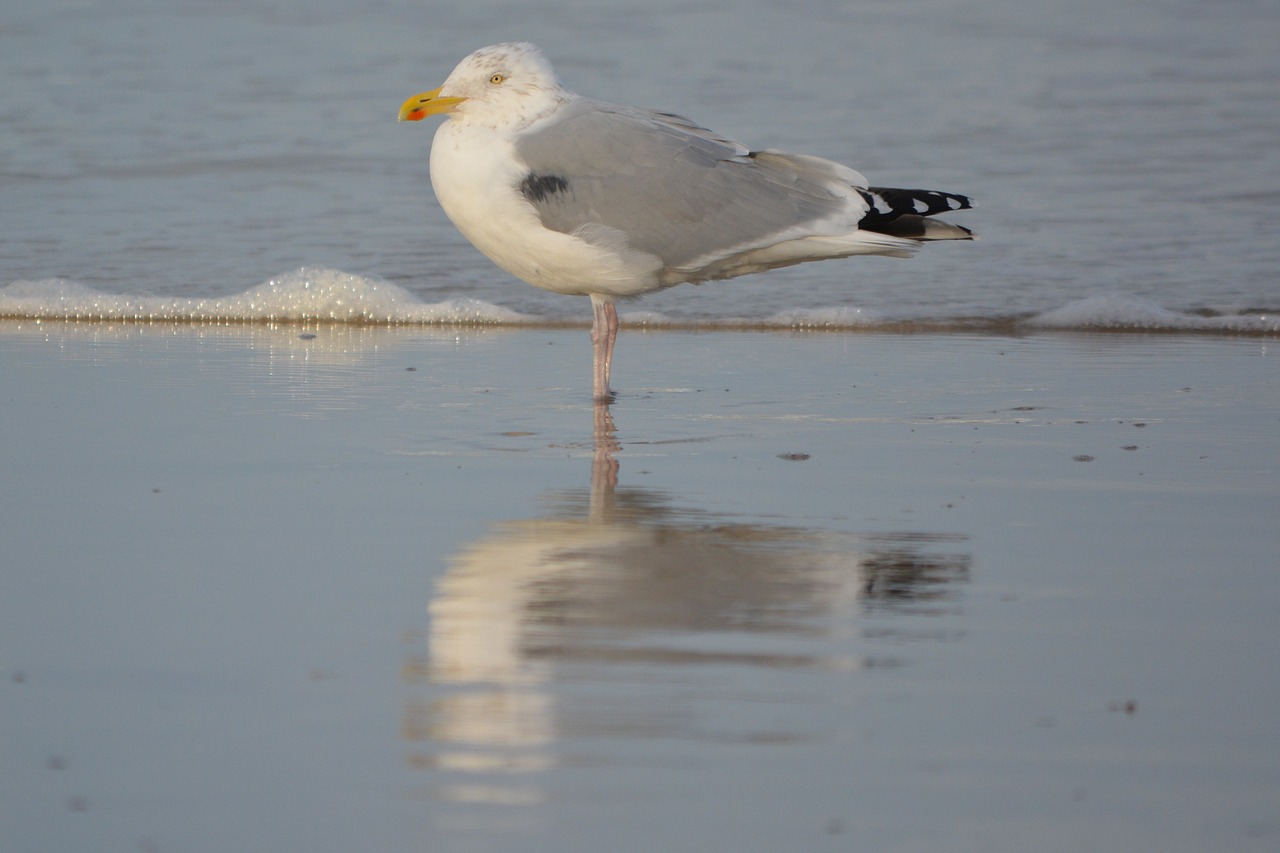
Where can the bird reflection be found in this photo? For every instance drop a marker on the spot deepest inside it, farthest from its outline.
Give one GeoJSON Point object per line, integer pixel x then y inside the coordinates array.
{"type": "Point", "coordinates": [625, 586]}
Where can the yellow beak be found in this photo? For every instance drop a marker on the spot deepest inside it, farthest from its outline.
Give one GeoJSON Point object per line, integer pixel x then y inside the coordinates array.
{"type": "Point", "coordinates": [427, 104]}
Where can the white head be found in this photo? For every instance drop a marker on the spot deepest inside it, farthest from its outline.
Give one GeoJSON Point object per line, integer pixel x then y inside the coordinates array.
{"type": "Point", "coordinates": [500, 85]}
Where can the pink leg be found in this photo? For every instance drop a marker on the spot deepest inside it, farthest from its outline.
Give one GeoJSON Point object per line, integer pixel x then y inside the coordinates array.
{"type": "Point", "coordinates": [604, 331]}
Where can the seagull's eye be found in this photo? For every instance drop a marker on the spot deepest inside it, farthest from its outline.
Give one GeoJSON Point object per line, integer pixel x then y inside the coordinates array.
{"type": "Point", "coordinates": [496, 79]}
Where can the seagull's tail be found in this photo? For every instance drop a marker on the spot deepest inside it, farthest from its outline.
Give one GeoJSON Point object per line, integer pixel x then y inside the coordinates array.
{"type": "Point", "coordinates": [902, 213]}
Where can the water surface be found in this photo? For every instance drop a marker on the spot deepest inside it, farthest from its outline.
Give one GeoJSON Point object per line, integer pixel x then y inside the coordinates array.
{"type": "Point", "coordinates": [1122, 156]}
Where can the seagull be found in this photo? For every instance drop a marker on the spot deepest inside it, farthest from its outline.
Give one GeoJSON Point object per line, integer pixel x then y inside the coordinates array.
{"type": "Point", "coordinates": [582, 197]}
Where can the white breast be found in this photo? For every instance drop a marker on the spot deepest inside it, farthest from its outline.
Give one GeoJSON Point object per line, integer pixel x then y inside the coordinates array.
{"type": "Point", "coordinates": [476, 175]}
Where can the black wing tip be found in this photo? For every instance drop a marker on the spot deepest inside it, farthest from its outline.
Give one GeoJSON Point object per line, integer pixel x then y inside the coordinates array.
{"type": "Point", "coordinates": [916, 202]}
{"type": "Point", "coordinates": [902, 212]}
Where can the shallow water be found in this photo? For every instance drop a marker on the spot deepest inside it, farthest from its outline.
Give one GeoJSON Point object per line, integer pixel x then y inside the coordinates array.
{"type": "Point", "coordinates": [385, 589]}
{"type": "Point", "coordinates": [1123, 157]}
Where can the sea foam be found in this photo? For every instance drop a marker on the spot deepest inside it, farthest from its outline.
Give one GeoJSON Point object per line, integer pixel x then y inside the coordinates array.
{"type": "Point", "coordinates": [310, 294]}
{"type": "Point", "coordinates": [1129, 312]}
{"type": "Point", "coordinates": [321, 295]}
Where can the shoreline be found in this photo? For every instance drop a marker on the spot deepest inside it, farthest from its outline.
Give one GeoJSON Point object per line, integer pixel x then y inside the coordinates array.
{"type": "Point", "coordinates": [1016, 327]}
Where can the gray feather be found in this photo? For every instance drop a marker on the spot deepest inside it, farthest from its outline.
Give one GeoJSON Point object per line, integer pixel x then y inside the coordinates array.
{"type": "Point", "coordinates": [676, 190]}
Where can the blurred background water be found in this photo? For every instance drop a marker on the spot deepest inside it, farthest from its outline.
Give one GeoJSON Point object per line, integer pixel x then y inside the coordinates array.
{"type": "Point", "coordinates": [1123, 155]}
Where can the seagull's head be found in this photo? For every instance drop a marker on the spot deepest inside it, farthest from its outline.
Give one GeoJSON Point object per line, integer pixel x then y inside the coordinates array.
{"type": "Point", "coordinates": [499, 85]}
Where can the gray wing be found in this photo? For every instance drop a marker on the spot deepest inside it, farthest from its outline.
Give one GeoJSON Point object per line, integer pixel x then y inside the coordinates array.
{"type": "Point", "coordinates": [674, 189]}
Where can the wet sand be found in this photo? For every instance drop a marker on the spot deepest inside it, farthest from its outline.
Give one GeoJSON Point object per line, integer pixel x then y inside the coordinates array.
{"type": "Point", "coordinates": [344, 588]}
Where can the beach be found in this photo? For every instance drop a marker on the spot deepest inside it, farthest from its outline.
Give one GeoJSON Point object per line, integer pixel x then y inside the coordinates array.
{"type": "Point", "coordinates": [312, 537]}
{"type": "Point", "coordinates": [337, 587]}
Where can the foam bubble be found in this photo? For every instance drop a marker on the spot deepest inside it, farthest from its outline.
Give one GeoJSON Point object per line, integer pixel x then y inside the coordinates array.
{"type": "Point", "coordinates": [1129, 312]}
{"type": "Point", "coordinates": [320, 295]}
{"type": "Point", "coordinates": [835, 317]}
{"type": "Point", "coordinates": [309, 294]}
{"type": "Point", "coordinates": [648, 318]}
